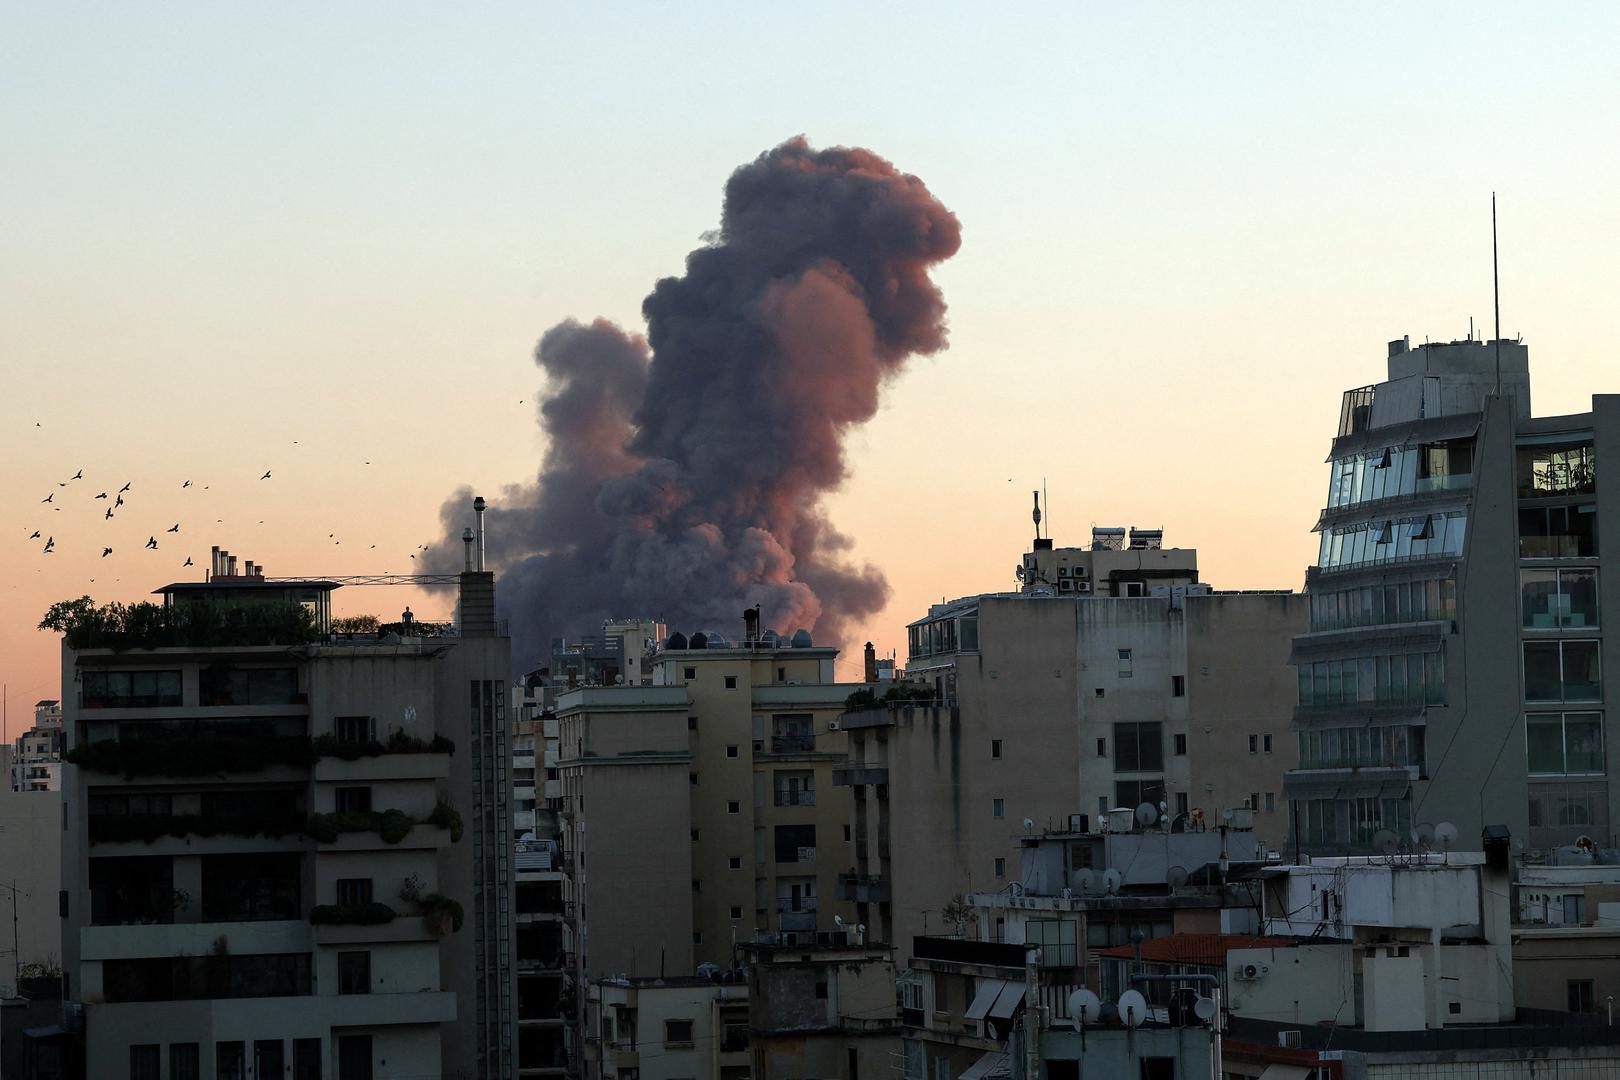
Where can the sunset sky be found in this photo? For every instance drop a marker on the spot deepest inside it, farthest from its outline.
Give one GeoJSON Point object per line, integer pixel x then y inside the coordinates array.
{"type": "Point", "coordinates": [323, 241]}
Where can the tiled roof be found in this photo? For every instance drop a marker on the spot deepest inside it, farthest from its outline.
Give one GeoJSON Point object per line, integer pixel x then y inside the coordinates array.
{"type": "Point", "coordinates": [1207, 949]}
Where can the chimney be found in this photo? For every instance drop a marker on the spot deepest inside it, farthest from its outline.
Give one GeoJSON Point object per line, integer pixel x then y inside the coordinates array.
{"type": "Point", "coordinates": [477, 585]}
{"type": "Point", "coordinates": [750, 625]}
{"type": "Point", "coordinates": [871, 663]}
{"type": "Point", "coordinates": [232, 571]}
{"type": "Point", "coordinates": [213, 562]}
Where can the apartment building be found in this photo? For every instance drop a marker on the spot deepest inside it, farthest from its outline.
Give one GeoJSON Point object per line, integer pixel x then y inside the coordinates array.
{"type": "Point", "coordinates": [711, 790]}
{"type": "Point", "coordinates": [544, 983]}
{"type": "Point", "coordinates": [1453, 666]}
{"type": "Point", "coordinates": [288, 851]}
{"type": "Point", "coordinates": [36, 757]}
{"type": "Point", "coordinates": [677, 1027]}
{"type": "Point", "coordinates": [1111, 679]}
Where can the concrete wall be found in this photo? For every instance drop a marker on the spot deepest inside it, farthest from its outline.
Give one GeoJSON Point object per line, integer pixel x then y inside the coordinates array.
{"type": "Point", "coordinates": [1306, 984]}
{"type": "Point", "coordinates": [30, 876]}
{"type": "Point", "coordinates": [1545, 961]}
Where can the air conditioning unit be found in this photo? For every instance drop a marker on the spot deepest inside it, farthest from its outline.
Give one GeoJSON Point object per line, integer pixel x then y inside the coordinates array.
{"type": "Point", "coordinates": [1063, 571]}
{"type": "Point", "coordinates": [1082, 586]}
{"type": "Point", "coordinates": [1289, 1038]}
{"type": "Point", "coordinates": [834, 725]}
{"type": "Point", "coordinates": [1252, 971]}
{"type": "Point", "coordinates": [1065, 585]}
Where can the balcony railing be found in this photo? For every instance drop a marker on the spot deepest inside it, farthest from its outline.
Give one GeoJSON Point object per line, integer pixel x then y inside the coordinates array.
{"type": "Point", "coordinates": [793, 743]}
{"type": "Point", "coordinates": [796, 798]}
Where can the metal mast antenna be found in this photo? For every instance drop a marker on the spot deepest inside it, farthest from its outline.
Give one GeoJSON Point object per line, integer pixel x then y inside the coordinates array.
{"type": "Point", "coordinates": [1496, 296]}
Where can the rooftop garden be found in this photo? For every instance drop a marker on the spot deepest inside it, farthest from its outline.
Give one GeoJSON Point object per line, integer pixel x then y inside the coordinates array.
{"type": "Point", "coordinates": [893, 698]}
{"type": "Point", "coordinates": [195, 623]}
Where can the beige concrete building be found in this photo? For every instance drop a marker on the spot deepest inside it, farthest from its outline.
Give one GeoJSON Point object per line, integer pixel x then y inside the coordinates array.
{"type": "Point", "coordinates": [288, 852]}
{"type": "Point", "coordinates": [36, 760]}
{"type": "Point", "coordinates": [823, 1009]}
{"type": "Point", "coordinates": [686, 1027]}
{"type": "Point", "coordinates": [1048, 707]}
{"type": "Point", "coordinates": [30, 877]}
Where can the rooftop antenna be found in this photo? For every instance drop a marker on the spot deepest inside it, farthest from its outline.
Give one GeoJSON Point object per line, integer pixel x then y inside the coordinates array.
{"type": "Point", "coordinates": [1037, 514]}
{"type": "Point", "coordinates": [1496, 297]}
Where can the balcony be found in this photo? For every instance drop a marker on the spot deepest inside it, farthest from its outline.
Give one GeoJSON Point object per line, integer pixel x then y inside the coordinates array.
{"type": "Point", "coordinates": [385, 767]}
{"type": "Point", "coordinates": [860, 775]}
{"type": "Point", "coordinates": [192, 939]}
{"type": "Point", "coordinates": [401, 929]}
{"type": "Point", "coordinates": [793, 743]}
{"type": "Point", "coordinates": [795, 798]}
{"type": "Point", "coordinates": [863, 888]}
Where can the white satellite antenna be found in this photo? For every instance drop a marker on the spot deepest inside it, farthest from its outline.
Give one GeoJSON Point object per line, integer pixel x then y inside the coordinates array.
{"type": "Point", "coordinates": [838, 921]}
{"type": "Point", "coordinates": [1204, 1009]}
{"type": "Point", "coordinates": [1445, 835]}
{"type": "Point", "coordinates": [1111, 881]}
{"type": "Point", "coordinates": [1386, 841]}
{"type": "Point", "coordinates": [1423, 836]}
{"type": "Point", "coordinates": [1146, 815]}
{"type": "Point", "coordinates": [1084, 1007]}
{"type": "Point", "coordinates": [1132, 1008]}
{"type": "Point", "coordinates": [1029, 825]}
{"type": "Point", "coordinates": [1176, 876]}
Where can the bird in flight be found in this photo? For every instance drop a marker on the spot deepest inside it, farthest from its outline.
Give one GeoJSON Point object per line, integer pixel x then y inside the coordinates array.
{"type": "Point", "coordinates": [109, 514]}
{"type": "Point", "coordinates": [50, 542]}
{"type": "Point", "coordinates": [106, 551]}
{"type": "Point", "coordinates": [103, 495]}
{"type": "Point", "coordinates": [266, 475]}
{"type": "Point", "coordinates": [188, 560]}
{"type": "Point", "coordinates": [176, 527]}
{"type": "Point", "coordinates": [49, 498]}
{"type": "Point", "coordinates": [186, 484]}
{"type": "Point", "coordinates": [119, 503]}
{"type": "Point", "coordinates": [35, 536]}
{"type": "Point", "coordinates": [78, 475]}
{"type": "Point", "coordinates": [124, 488]}
{"type": "Point", "coordinates": [151, 542]}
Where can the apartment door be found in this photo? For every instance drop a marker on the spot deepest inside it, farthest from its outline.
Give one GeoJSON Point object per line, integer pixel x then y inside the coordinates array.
{"type": "Point", "coordinates": [306, 1059]}
{"type": "Point", "coordinates": [267, 1059]}
{"type": "Point", "coordinates": [354, 1057]}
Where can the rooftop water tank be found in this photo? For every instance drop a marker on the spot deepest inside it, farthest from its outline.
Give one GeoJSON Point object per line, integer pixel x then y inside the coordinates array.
{"type": "Point", "coordinates": [801, 638]}
{"type": "Point", "coordinates": [676, 640]}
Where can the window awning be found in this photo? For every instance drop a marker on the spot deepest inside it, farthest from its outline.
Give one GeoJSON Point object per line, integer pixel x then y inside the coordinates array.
{"type": "Point", "coordinates": [1012, 995]}
{"type": "Point", "coordinates": [1306, 785]}
{"type": "Point", "coordinates": [989, 990]}
{"type": "Point", "coordinates": [1285, 1072]}
{"type": "Point", "coordinates": [988, 1067]}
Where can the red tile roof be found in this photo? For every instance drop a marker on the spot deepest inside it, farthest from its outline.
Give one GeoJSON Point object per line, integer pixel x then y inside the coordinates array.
{"type": "Point", "coordinates": [1207, 949]}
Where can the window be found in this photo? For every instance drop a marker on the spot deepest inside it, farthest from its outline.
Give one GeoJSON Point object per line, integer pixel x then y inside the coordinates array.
{"type": "Point", "coordinates": [267, 1058]}
{"type": "Point", "coordinates": [795, 843]}
{"type": "Point", "coordinates": [1102, 747]}
{"type": "Point", "coordinates": [731, 682]}
{"type": "Point", "coordinates": [1253, 739]}
{"type": "Point", "coordinates": [847, 834]}
{"type": "Point", "coordinates": [1254, 800]}
{"type": "Point", "coordinates": [691, 723]}
{"type": "Point", "coordinates": [1558, 532]}
{"type": "Point", "coordinates": [1133, 793]}
{"type": "Point", "coordinates": [1138, 747]}
{"type": "Point", "coordinates": [230, 1061]}
{"type": "Point", "coordinates": [694, 836]}
{"type": "Point", "coordinates": [354, 1057]}
{"type": "Point", "coordinates": [306, 1060]}
{"type": "Point", "coordinates": [1124, 663]}
{"type": "Point", "coordinates": [145, 1062]}
{"type": "Point", "coordinates": [1271, 802]}
{"type": "Point", "coordinates": [792, 733]}
{"type": "Point", "coordinates": [731, 750]}
{"type": "Point", "coordinates": [692, 778]}
{"type": "Point", "coordinates": [942, 1069]}
{"type": "Point", "coordinates": [1100, 692]}
{"type": "Point", "coordinates": [354, 972]}
{"type": "Point", "coordinates": [734, 862]}
{"type": "Point", "coordinates": [781, 674]}
{"type": "Point", "coordinates": [821, 989]}
{"type": "Point", "coordinates": [1574, 909]}
{"type": "Point", "coordinates": [1562, 671]}
{"type": "Point", "coordinates": [689, 673]}
{"type": "Point", "coordinates": [352, 892]}
{"type": "Point", "coordinates": [1001, 868]}
{"type": "Point", "coordinates": [1178, 686]}
{"type": "Point", "coordinates": [995, 748]}
{"type": "Point", "coordinates": [1559, 599]}
{"type": "Point", "coordinates": [1181, 744]}
{"type": "Point", "coordinates": [1582, 998]}
{"type": "Point", "coordinates": [354, 800]}
{"type": "Point", "coordinates": [129, 689]}
{"type": "Point", "coordinates": [697, 885]}
{"type": "Point", "coordinates": [1565, 467]}
{"type": "Point", "coordinates": [736, 911]}
{"type": "Point", "coordinates": [241, 888]}
{"type": "Point", "coordinates": [185, 1062]}
{"type": "Point", "coordinates": [222, 685]}
{"type": "Point", "coordinates": [353, 728]}
{"type": "Point", "coordinates": [677, 1033]}
{"type": "Point", "coordinates": [697, 937]}
{"type": "Point", "coordinates": [732, 807]}
{"type": "Point", "coordinates": [1564, 744]}
{"type": "Point", "coordinates": [1056, 940]}
{"type": "Point", "coordinates": [997, 808]}
{"type": "Point", "coordinates": [1181, 802]}
{"type": "Point", "coordinates": [1265, 743]}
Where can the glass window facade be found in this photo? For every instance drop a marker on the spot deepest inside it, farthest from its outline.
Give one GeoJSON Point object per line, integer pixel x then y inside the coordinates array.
{"type": "Point", "coordinates": [1392, 539]}
{"type": "Point", "coordinates": [1559, 599]}
{"type": "Point", "coordinates": [1385, 679]}
{"type": "Point", "coordinates": [1409, 470]}
{"type": "Point", "coordinates": [1551, 470]}
{"type": "Point", "coordinates": [1353, 747]}
{"type": "Point", "coordinates": [129, 689]}
{"type": "Point", "coordinates": [1139, 748]}
{"type": "Point", "coordinates": [1354, 821]}
{"type": "Point", "coordinates": [1558, 532]}
{"type": "Point", "coordinates": [1564, 743]}
{"type": "Point", "coordinates": [1377, 605]}
{"type": "Point", "coordinates": [1556, 671]}
{"type": "Point", "coordinates": [1056, 938]}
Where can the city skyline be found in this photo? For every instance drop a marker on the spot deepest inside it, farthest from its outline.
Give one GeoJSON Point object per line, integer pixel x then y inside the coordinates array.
{"type": "Point", "coordinates": [198, 304]}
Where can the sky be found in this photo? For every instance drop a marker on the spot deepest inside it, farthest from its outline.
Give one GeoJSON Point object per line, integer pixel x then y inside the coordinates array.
{"type": "Point", "coordinates": [323, 240]}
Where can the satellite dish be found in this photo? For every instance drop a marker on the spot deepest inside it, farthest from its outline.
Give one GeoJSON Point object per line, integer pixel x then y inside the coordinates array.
{"type": "Point", "coordinates": [1111, 880]}
{"type": "Point", "coordinates": [1029, 824]}
{"type": "Point", "coordinates": [1386, 841]}
{"type": "Point", "coordinates": [1176, 876]}
{"type": "Point", "coordinates": [1423, 835]}
{"type": "Point", "coordinates": [1226, 815]}
{"type": "Point", "coordinates": [990, 1029]}
{"type": "Point", "coordinates": [1146, 815]}
{"type": "Point", "coordinates": [1445, 834]}
{"type": "Point", "coordinates": [1132, 1008]}
{"type": "Point", "coordinates": [1204, 1009]}
{"type": "Point", "coordinates": [1086, 882]}
{"type": "Point", "coordinates": [1018, 572]}
{"type": "Point", "coordinates": [1084, 1007]}
{"type": "Point", "coordinates": [838, 921]}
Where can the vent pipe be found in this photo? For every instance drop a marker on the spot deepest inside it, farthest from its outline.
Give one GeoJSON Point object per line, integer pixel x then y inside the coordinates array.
{"type": "Point", "coordinates": [232, 571]}
{"type": "Point", "coordinates": [213, 562]}
{"type": "Point", "coordinates": [478, 513]}
{"type": "Point", "coordinates": [467, 549]}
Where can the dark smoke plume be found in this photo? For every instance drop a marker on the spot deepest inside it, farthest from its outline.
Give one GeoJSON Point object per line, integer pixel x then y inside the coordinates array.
{"type": "Point", "coordinates": [685, 470]}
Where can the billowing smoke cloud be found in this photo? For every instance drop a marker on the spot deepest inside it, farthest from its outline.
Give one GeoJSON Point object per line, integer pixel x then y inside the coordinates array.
{"type": "Point", "coordinates": [685, 470]}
